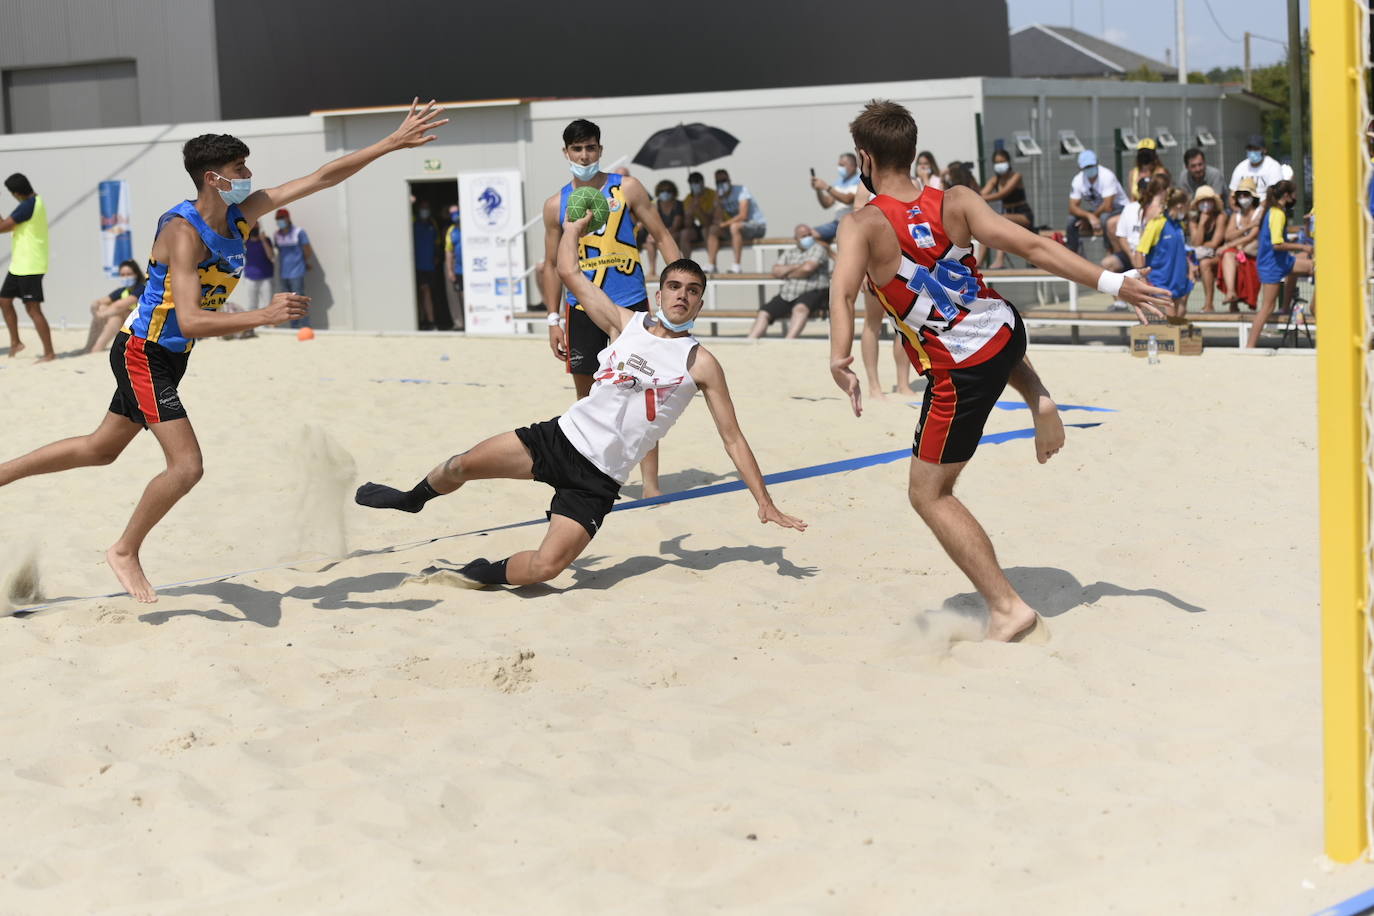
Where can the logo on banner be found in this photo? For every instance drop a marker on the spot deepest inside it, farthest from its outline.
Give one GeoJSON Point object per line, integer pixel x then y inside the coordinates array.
{"type": "Point", "coordinates": [503, 287]}
{"type": "Point", "coordinates": [479, 265]}
{"type": "Point", "coordinates": [492, 209]}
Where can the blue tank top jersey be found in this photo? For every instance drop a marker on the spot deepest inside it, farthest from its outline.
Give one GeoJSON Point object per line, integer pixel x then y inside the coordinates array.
{"type": "Point", "coordinates": [1168, 260]}
{"type": "Point", "coordinates": [610, 256]}
{"type": "Point", "coordinates": [1272, 266]}
{"type": "Point", "coordinates": [155, 318]}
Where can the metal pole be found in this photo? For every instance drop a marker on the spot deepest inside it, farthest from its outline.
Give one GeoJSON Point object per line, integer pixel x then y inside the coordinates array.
{"type": "Point", "coordinates": [1343, 487]}
{"type": "Point", "coordinates": [1182, 42]}
{"type": "Point", "coordinates": [1248, 84]}
{"type": "Point", "coordinates": [1297, 149]}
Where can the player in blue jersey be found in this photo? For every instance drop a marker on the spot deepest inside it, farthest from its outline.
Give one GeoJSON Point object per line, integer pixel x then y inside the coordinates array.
{"type": "Point", "coordinates": [609, 258]}
{"type": "Point", "coordinates": [197, 258]}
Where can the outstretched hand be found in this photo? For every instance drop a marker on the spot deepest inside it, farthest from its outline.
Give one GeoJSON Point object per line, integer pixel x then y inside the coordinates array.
{"type": "Point", "coordinates": [769, 513]}
{"type": "Point", "coordinates": [1143, 297]}
{"type": "Point", "coordinates": [414, 129]}
{"type": "Point", "coordinates": [848, 382]}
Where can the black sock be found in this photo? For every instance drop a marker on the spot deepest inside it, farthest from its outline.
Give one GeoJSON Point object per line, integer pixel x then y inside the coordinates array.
{"type": "Point", "coordinates": [486, 572]}
{"type": "Point", "coordinates": [380, 496]}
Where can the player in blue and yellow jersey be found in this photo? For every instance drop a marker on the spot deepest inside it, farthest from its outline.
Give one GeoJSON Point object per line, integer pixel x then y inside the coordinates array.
{"type": "Point", "coordinates": [609, 258]}
{"type": "Point", "coordinates": [1279, 261]}
{"type": "Point", "coordinates": [197, 258]}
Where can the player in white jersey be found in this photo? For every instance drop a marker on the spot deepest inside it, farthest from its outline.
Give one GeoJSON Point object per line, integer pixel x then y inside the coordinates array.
{"type": "Point", "coordinates": [646, 377]}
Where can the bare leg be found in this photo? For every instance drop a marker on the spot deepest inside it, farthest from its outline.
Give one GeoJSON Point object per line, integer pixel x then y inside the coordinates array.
{"type": "Point", "coordinates": [563, 542]}
{"type": "Point", "coordinates": [1049, 428]}
{"type": "Point", "coordinates": [583, 384]}
{"type": "Point", "coordinates": [800, 315]}
{"type": "Point", "coordinates": [902, 362]}
{"type": "Point", "coordinates": [649, 254]}
{"type": "Point", "coordinates": [737, 241]}
{"type": "Point", "coordinates": [502, 456]}
{"type": "Point", "coordinates": [426, 305]}
{"type": "Point", "coordinates": [1208, 267]}
{"type": "Point", "coordinates": [40, 324]}
{"type": "Point", "coordinates": [713, 244]}
{"type": "Point", "coordinates": [101, 447]}
{"type": "Point", "coordinates": [930, 488]}
{"type": "Point", "coordinates": [648, 470]}
{"type": "Point", "coordinates": [761, 322]}
{"type": "Point", "coordinates": [184, 470]}
{"type": "Point", "coordinates": [868, 345]}
{"type": "Point", "coordinates": [1228, 273]}
{"type": "Point", "coordinates": [11, 324]}
{"type": "Point", "coordinates": [1269, 293]}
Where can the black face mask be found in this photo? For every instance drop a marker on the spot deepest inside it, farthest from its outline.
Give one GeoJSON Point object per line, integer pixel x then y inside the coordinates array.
{"type": "Point", "coordinates": [868, 183]}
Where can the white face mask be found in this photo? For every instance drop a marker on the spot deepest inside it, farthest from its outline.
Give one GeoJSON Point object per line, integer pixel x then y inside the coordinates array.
{"type": "Point", "coordinates": [239, 189]}
{"type": "Point", "coordinates": [127, 282]}
{"type": "Point", "coordinates": [1001, 168]}
{"type": "Point", "coordinates": [584, 172]}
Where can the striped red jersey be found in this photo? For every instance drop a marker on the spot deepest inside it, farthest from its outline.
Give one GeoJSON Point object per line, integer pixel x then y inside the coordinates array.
{"type": "Point", "coordinates": [947, 315]}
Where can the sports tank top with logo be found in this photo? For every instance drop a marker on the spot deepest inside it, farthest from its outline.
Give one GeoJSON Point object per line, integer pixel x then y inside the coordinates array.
{"type": "Point", "coordinates": [640, 389]}
{"type": "Point", "coordinates": [610, 256]}
{"type": "Point", "coordinates": [949, 318]}
{"type": "Point", "coordinates": [155, 318]}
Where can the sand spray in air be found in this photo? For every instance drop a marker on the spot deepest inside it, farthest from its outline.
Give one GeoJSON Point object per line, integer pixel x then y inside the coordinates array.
{"type": "Point", "coordinates": [327, 477]}
{"type": "Point", "coordinates": [20, 583]}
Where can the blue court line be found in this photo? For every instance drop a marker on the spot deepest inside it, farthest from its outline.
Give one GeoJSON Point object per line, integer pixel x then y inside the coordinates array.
{"type": "Point", "coordinates": [1355, 906]}
{"type": "Point", "coordinates": [815, 470]}
{"type": "Point", "coordinates": [1022, 405]}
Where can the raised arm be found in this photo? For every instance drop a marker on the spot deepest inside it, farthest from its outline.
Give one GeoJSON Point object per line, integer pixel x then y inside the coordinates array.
{"type": "Point", "coordinates": [710, 378]}
{"type": "Point", "coordinates": [182, 247]}
{"type": "Point", "coordinates": [608, 316]}
{"type": "Point", "coordinates": [647, 214]}
{"type": "Point", "coordinates": [850, 267]}
{"type": "Point", "coordinates": [413, 132]}
{"type": "Point", "coordinates": [993, 231]}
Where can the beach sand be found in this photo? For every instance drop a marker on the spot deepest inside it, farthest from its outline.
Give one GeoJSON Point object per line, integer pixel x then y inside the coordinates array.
{"type": "Point", "coordinates": [704, 714]}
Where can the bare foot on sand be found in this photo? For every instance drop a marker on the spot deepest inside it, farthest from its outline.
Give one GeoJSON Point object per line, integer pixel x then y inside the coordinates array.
{"type": "Point", "coordinates": [129, 572]}
{"type": "Point", "coordinates": [876, 394]}
{"type": "Point", "coordinates": [1049, 429]}
{"type": "Point", "coordinates": [908, 393]}
{"type": "Point", "coordinates": [46, 358]}
{"type": "Point", "coordinates": [1016, 625]}
{"type": "Point", "coordinates": [15, 349]}
{"type": "Point", "coordinates": [650, 492]}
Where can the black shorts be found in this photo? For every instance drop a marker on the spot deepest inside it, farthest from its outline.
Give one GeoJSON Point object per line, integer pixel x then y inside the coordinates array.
{"type": "Point", "coordinates": [146, 379]}
{"type": "Point", "coordinates": [817, 301]}
{"type": "Point", "coordinates": [458, 282]}
{"type": "Point", "coordinates": [28, 287]}
{"type": "Point", "coordinates": [958, 401]}
{"type": "Point", "coordinates": [581, 491]}
{"type": "Point", "coordinates": [586, 340]}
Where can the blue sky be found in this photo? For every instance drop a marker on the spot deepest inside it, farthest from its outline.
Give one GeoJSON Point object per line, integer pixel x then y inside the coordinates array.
{"type": "Point", "coordinates": [1148, 28]}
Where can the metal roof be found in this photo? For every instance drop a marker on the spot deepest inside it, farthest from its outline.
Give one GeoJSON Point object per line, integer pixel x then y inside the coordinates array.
{"type": "Point", "coordinates": [1059, 51]}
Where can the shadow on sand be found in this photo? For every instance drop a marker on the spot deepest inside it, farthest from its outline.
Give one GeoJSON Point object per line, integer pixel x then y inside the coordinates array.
{"type": "Point", "coordinates": [1056, 591]}
{"type": "Point", "coordinates": [263, 607]}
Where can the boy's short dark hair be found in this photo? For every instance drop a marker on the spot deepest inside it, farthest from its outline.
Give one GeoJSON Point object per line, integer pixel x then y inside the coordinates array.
{"type": "Point", "coordinates": [18, 183]}
{"type": "Point", "coordinates": [580, 131]}
{"type": "Point", "coordinates": [210, 151]}
{"type": "Point", "coordinates": [1192, 153]}
{"type": "Point", "coordinates": [685, 266]}
{"type": "Point", "coordinates": [887, 132]}
{"type": "Point", "coordinates": [695, 176]}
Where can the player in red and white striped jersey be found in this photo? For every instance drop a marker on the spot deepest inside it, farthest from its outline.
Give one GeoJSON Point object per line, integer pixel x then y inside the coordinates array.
{"type": "Point", "coordinates": [915, 245]}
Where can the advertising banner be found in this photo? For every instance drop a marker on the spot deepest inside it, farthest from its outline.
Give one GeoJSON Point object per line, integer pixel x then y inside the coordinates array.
{"type": "Point", "coordinates": [493, 270]}
{"type": "Point", "coordinates": [116, 240]}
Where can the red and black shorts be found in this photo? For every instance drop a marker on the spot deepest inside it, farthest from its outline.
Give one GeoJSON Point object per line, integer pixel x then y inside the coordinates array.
{"type": "Point", "coordinates": [586, 340]}
{"type": "Point", "coordinates": [958, 401]}
{"type": "Point", "coordinates": [146, 379]}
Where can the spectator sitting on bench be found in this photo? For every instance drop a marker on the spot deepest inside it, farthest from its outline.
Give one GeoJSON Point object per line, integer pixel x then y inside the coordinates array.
{"type": "Point", "coordinates": [838, 198]}
{"type": "Point", "coordinates": [805, 273]}
{"type": "Point", "coordinates": [738, 216]}
{"type": "Point", "coordinates": [699, 214]}
{"type": "Point", "coordinates": [1095, 200]}
{"type": "Point", "coordinates": [674, 218]}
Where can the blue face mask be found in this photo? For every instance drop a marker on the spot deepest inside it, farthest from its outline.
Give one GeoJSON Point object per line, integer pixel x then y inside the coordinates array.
{"type": "Point", "coordinates": [806, 242]}
{"type": "Point", "coordinates": [667, 322]}
{"type": "Point", "coordinates": [283, 224]}
{"type": "Point", "coordinates": [1256, 156]}
{"type": "Point", "coordinates": [127, 282]}
{"type": "Point", "coordinates": [239, 189]}
{"type": "Point", "coordinates": [844, 173]}
{"type": "Point", "coordinates": [722, 188]}
{"type": "Point", "coordinates": [584, 172]}
{"type": "Point", "coordinates": [454, 218]}
{"type": "Point", "coordinates": [665, 196]}
{"type": "Point", "coordinates": [1090, 173]}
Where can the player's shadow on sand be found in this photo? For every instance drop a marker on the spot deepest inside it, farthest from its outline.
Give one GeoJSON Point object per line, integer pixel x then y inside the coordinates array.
{"type": "Point", "coordinates": [263, 607]}
{"type": "Point", "coordinates": [677, 481]}
{"type": "Point", "coordinates": [672, 553]}
{"type": "Point", "coordinates": [1056, 591]}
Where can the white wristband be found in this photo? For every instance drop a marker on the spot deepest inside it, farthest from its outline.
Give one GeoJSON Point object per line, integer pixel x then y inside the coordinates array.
{"type": "Point", "coordinates": [554, 320]}
{"type": "Point", "coordinates": [1110, 282]}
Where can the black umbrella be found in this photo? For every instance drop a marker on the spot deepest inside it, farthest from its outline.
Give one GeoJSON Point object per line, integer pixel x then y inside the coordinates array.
{"type": "Point", "coordinates": [685, 145]}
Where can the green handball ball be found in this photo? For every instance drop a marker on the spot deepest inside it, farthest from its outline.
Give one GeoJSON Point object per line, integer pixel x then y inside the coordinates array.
{"type": "Point", "coordinates": [583, 200]}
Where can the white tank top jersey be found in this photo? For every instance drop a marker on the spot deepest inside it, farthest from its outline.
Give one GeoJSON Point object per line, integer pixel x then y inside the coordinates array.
{"type": "Point", "coordinates": [640, 389]}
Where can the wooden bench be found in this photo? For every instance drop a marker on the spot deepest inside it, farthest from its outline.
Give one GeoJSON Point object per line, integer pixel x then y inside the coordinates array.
{"type": "Point", "coordinates": [1240, 321]}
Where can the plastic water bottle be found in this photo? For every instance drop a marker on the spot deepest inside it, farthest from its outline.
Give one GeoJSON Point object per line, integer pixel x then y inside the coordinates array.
{"type": "Point", "coordinates": [1152, 349]}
